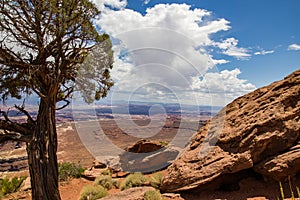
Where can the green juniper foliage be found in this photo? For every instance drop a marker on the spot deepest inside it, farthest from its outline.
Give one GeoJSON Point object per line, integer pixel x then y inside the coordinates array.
{"type": "Point", "coordinates": [49, 49]}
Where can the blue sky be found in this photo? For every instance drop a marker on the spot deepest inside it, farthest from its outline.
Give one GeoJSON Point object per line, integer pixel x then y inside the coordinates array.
{"type": "Point", "coordinates": [251, 42]}
{"type": "Point", "coordinates": [266, 24]}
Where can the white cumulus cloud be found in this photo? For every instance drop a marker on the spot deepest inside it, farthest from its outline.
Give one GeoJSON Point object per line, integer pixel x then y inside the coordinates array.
{"type": "Point", "coordinates": [117, 4]}
{"type": "Point", "coordinates": [146, 2]}
{"type": "Point", "coordinates": [161, 55]}
{"type": "Point", "coordinates": [264, 52]}
{"type": "Point", "coordinates": [294, 47]}
{"type": "Point", "coordinates": [230, 47]}
{"type": "Point", "coordinates": [217, 84]}
{"type": "Point", "coordinates": [220, 62]}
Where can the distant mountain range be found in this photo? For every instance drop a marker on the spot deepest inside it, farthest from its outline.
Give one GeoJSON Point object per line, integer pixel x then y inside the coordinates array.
{"type": "Point", "coordinates": [108, 110]}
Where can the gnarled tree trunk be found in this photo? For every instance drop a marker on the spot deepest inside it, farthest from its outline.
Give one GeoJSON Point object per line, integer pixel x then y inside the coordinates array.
{"type": "Point", "coordinates": [41, 151]}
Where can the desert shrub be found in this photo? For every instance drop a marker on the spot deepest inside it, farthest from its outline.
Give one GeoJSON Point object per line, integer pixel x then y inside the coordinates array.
{"type": "Point", "coordinates": [133, 180]}
{"type": "Point", "coordinates": [92, 192]}
{"type": "Point", "coordinates": [104, 181]}
{"type": "Point", "coordinates": [152, 195]}
{"type": "Point", "coordinates": [116, 183]}
{"type": "Point", "coordinates": [69, 170]}
{"type": "Point", "coordinates": [163, 143]}
{"type": "Point", "coordinates": [8, 186]}
{"type": "Point", "coordinates": [155, 180]}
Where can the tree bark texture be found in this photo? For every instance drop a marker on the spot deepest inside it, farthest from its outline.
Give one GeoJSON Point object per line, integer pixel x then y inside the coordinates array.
{"type": "Point", "coordinates": [42, 158]}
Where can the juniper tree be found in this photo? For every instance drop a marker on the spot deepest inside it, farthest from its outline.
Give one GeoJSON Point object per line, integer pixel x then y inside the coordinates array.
{"type": "Point", "coordinates": [47, 46]}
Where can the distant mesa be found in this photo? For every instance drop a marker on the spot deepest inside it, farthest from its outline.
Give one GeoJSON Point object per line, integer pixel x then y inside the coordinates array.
{"type": "Point", "coordinates": [260, 135]}
{"type": "Point", "coordinates": [144, 146]}
{"type": "Point", "coordinates": [147, 156]}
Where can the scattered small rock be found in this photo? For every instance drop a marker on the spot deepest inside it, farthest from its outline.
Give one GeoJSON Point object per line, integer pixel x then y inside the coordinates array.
{"type": "Point", "coordinates": [99, 165]}
{"type": "Point", "coordinates": [92, 174]}
{"type": "Point", "coordinates": [171, 196]}
{"type": "Point", "coordinates": [120, 174]}
{"type": "Point", "coordinates": [26, 185]}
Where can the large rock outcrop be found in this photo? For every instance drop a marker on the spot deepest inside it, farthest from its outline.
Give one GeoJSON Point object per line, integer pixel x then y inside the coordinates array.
{"type": "Point", "coordinates": [258, 131]}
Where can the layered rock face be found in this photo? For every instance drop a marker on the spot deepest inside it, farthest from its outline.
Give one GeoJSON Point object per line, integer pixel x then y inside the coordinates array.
{"type": "Point", "coordinates": [260, 130]}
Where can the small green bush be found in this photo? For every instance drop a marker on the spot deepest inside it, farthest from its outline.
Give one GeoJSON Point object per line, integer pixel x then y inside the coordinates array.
{"type": "Point", "coordinates": [92, 192]}
{"type": "Point", "coordinates": [133, 180]}
{"type": "Point", "coordinates": [104, 181]}
{"type": "Point", "coordinates": [152, 195]}
{"type": "Point", "coordinates": [155, 180]}
{"type": "Point", "coordinates": [8, 186]}
{"type": "Point", "coordinates": [116, 183]}
{"type": "Point", "coordinates": [163, 143]}
{"type": "Point", "coordinates": [69, 170]}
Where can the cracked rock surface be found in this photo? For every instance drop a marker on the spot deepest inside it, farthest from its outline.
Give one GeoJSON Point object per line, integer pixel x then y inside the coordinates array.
{"type": "Point", "coordinates": [258, 131]}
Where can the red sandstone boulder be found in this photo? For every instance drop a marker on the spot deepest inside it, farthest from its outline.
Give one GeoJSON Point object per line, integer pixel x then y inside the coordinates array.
{"type": "Point", "coordinates": [258, 131]}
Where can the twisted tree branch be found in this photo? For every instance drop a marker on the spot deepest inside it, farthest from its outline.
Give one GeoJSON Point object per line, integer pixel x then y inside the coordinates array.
{"type": "Point", "coordinates": [10, 130]}
{"type": "Point", "coordinates": [11, 135]}
{"type": "Point", "coordinates": [30, 120]}
{"type": "Point", "coordinates": [65, 105]}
